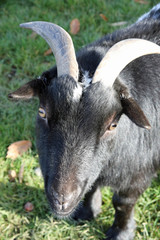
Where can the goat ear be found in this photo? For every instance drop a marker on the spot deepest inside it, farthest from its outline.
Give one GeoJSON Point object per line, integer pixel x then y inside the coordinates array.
{"type": "Point", "coordinates": [134, 112]}
{"type": "Point", "coordinates": [28, 91]}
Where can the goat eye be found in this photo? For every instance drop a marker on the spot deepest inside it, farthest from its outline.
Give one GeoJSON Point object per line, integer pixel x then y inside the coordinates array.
{"type": "Point", "coordinates": [42, 113]}
{"type": "Point", "coordinates": [112, 126]}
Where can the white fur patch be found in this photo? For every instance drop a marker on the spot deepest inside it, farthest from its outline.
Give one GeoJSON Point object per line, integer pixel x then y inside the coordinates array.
{"type": "Point", "coordinates": [77, 93]}
{"type": "Point", "coordinates": [86, 80]}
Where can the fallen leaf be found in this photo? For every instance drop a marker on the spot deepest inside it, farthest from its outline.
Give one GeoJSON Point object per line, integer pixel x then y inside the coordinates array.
{"type": "Point", "coordinates": [142, 1]}
{"type": "Point", "coordinates": [118, 24]}
{"type": "Point", "coordinates": [12, 175]}
{"type": "Point", "coordinates": [48, 52]}
{"type": "Point", "coordinates": [28, 207]}
{"type": "Point", "coordinates": [74, 26]}
{"type": "Point", "coordinates": [103, 17]}
{"type": "Point", "coordinates": [18, 148]}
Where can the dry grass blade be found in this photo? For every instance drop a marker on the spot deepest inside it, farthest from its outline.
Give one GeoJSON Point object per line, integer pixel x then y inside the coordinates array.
{"type": "Point", "coordinates": [103, 17]}
{"type": "Point", "coordinates": [118, 24]}
{"type": "Point", "coordinates": [33, 35]}
{"type": "Point", "coordinates": [48, 52]}
{"type": "Point", "coordinates": [21, 171]}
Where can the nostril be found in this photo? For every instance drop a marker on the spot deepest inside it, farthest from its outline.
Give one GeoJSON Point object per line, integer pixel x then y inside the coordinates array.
{"type": "Point", "coordinates": [58, 205]}
{"type": "Point", "coordinates": [65, 205]}
{"type": "Point", "coordinates": [62, 201]}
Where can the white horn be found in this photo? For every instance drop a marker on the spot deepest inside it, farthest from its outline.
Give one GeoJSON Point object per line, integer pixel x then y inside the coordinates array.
{"type": "Point", "coordinates": [61, 45]}
{"type": "Point", "coordinates": [121, 54]}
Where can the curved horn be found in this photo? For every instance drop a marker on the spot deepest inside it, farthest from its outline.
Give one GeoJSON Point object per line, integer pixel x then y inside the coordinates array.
{"type": "Point", "coordinates": [61, 44]}
{"type": "Point", "coordinates": [121, 54]}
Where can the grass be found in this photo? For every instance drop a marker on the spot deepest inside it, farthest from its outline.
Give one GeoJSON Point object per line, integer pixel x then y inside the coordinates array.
{"type": "Point", "coordinates": [21, 59]}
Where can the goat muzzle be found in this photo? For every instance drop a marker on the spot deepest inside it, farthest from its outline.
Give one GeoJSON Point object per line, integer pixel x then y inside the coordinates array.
{"type": "Point", "coordinates": [64, 200]}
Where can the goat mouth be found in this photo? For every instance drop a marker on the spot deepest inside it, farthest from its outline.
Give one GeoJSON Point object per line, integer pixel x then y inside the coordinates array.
{"type": "Point", "coordinates": [63, 214]}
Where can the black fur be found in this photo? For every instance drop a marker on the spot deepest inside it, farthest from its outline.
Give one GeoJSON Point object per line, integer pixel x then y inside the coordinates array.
{"type": "Point", "coordinates": [78, 150]}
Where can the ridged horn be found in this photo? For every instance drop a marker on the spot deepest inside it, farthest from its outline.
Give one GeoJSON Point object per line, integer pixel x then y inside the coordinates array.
{"type": "Point", "coordinates": [119, 56]}
{"type": "Point", "coordinates": [61, 44]}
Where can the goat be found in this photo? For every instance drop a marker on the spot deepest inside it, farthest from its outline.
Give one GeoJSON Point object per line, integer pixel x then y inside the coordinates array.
{"type": "Point", "coordinates": [98, 120]}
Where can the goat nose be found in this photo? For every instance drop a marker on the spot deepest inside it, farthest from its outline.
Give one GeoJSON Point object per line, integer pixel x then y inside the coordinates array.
{"type": "Point", "coordinates": [62, 201]}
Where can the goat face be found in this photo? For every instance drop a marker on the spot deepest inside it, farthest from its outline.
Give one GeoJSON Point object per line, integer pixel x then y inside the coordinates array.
{"type": "Point", "coordinates": [69, 133]}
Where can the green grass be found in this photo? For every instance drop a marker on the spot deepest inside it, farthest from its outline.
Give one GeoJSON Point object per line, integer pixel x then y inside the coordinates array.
{"type": "Point", "coordinates": [21, 59]}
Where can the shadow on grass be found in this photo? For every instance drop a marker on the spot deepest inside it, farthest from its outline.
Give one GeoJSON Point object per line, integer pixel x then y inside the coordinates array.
{"type": "Point", "coordinates": [13, 197]}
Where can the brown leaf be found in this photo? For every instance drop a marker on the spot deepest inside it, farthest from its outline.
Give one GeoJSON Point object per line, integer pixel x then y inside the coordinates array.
{"type": "Point", "coordinates": [74, 26]}
{"type": "Point", "coordinates": [103, 17]}
{"type": "Point", "coordinates": [142, 1]}
{"type": "Point", "coordinates": [18, 148]}
{"type": "Point", "coordinates": [48, 52]}
{"type": "Point", "coordinates": [28, 207]}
